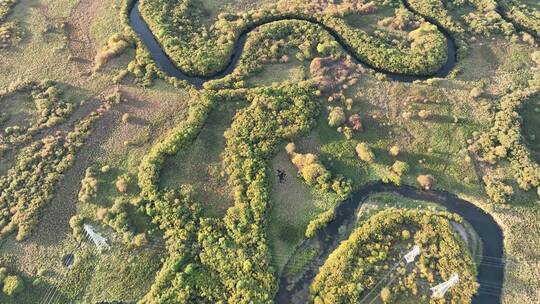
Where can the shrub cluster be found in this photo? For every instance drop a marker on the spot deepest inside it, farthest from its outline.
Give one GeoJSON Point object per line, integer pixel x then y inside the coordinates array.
{"type": "Point", "coordinates": [51, 108]}
{"type": "Point", "coordinates": [9, 31]}
{"type": "Point", "coordinates": [356, 265]}
{"type": "Point", "coordinates": [30, 183]}
{"type": "Point", "coordinates": [311, 169]}
{"type": "Point", "coordinates": [504, 141]}
{"type": "Point", "coordinates": [316, 175]}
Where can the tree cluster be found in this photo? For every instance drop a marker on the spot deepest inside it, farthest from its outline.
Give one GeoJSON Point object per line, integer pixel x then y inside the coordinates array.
{"type": "Point", "coordinates": [358, 263]}
{"type": "Point", "coordinates": [225, 260]}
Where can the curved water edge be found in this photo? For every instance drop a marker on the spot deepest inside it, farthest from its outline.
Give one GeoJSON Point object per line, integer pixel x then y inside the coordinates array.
{"type": "Point", "coordinates": [168, 66]}
{"type": "Point", "coordinates": [490, 276]}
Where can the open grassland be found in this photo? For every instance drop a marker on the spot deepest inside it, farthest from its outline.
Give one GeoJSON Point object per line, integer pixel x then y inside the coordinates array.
{"type": "Point", "coordinates": [49, 50]}
{"type": "Point", "coordinates": [200, 166]}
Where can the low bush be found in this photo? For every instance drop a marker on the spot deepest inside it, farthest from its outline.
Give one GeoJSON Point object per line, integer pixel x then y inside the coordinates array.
{"type": "Point", "coordinates": [115, 46]}
{"type": "Point", "coordinates": [364, 152]}
{"type": "Point", "coordinates": [13, 285]}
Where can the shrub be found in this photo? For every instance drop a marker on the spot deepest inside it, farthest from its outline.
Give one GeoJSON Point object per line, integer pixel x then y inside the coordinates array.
{"type": "Point", "coordinates": [476, 92]}
{"type": "Point", "coordinates": [394, 151]}
{"type": "Point", "coordinates": [400, 167]}
{"type": "Point", "coordinates": [13, 285]}
{"type": "Point", "coordinates": [426, 181]}
{"type": "Point", "coordinates": [535, 56]}
{"type": "Point", "coordinates": [139, 240]}
{"type": "Point", "coordinates": [3, 273]}
{"type": "Point", "coordinates": [126, 117]}
{"type": "Point", "coordinates": [336, 117]}
{"type": "Point", "coordinates": [115, 46]}
{"type": "Point", "coordinates": [121, 184]}
{"type": "Point", "coordinates": [364, 152]}
{"type": "Point", "coordinates": [424, 114]}
{"type": "Point", "coordinates": [328, 48]}
{"type": "Point", "coordinates": [355, 123]}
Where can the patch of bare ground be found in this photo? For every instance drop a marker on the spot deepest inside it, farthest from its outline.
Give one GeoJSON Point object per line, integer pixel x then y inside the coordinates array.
{"type": "Point", "coordinates": [81, 46]}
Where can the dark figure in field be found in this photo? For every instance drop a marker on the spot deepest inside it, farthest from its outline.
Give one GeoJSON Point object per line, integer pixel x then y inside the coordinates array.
{"type": "Point", "coordinates": [281, 176]}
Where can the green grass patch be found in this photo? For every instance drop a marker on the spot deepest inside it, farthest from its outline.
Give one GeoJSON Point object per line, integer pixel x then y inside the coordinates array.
{"type": "Point", "coordinates": [293, 71]}
{"type": "Point", "coordinates": [200, 165]}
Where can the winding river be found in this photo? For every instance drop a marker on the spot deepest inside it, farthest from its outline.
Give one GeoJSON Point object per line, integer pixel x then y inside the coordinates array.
{"type": "Point", "coordinates": [168, 66]}
{"type": "Point", "coordinates": [491, 268]}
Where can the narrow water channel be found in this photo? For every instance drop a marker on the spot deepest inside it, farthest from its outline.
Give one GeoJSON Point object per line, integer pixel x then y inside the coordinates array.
{"type": "Point", "coordinates": [490, 269]}
{"type": "Point", "coordinates": [491, 278]}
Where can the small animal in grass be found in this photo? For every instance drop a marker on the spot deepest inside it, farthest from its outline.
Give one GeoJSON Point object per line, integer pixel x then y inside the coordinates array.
{"type": "Point", "coordinates": [281, 176]}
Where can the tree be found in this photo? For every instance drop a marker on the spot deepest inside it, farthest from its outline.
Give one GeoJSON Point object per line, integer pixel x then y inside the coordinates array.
{"type": "Point", "coordinates": [365, 153]}
{"type": "Point", "coordinates": [121, 185]}
{"type": "Point", "coordinates": [290, 148]}
{"type": "Point", "coordinates": [12, 285]}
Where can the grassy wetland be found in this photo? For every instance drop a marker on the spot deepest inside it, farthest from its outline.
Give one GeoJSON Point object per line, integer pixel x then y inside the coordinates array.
{"type": "Point", "coordinates": [217, 165]}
